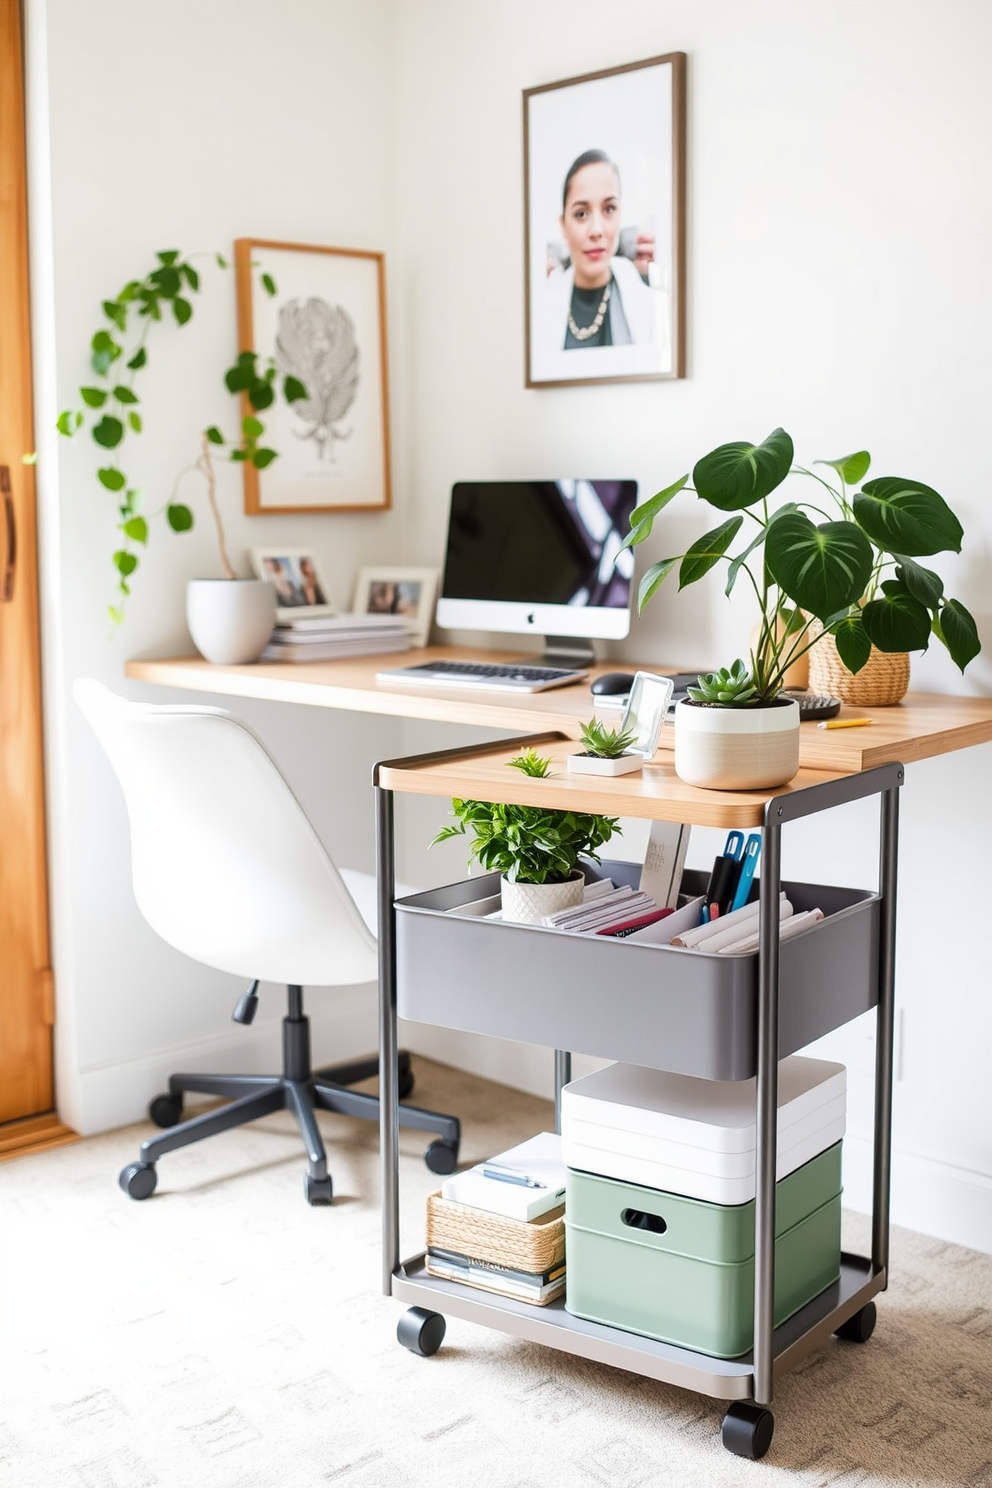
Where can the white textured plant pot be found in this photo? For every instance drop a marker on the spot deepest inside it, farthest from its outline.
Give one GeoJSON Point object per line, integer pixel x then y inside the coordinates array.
{"type": "Point", "coordinates": [737, 748]}
{"type": "Point", "coordinates": [595, 764]}
{"type": "Point", "coordinates": [527, 903]}
{"type": "Point", "coordinates": [230, 620]}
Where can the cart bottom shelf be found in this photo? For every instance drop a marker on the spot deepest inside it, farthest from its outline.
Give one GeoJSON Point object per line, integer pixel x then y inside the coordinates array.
{"type": "Point", "coordinates": [724, 1379]}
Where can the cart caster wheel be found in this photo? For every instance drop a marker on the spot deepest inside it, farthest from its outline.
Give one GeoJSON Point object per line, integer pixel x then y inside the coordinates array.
{"type": "Point", "coordinates": [138, 1180]}
{"type": "Point", "coordinates": [407, 1083]}
{"type": "Point", "coordinates": [441, 1157]}
{"type": "Point", "coordinates": [166, 1110]}
{"type": "Point", "coordinates": [317, 1190]}
{"type": "Point", "coordinates": [748, 1429]}
{"type": "Point", "coordinates": [860, 1327]}
{"type": "Point", "coordinates": [420, 1331]}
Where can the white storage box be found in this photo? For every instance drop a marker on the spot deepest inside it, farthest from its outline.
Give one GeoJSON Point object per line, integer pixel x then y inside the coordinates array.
{"type": "Point", "coordinates": [696, 1137]}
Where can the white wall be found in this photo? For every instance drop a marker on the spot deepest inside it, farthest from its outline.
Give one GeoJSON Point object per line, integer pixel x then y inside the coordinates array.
{"type": "Point", "coordinates": [838, 239]}
{"type": "Point", "coordinates": [837, 282]}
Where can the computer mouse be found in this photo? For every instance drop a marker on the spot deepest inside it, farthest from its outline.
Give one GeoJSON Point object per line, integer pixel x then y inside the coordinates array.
{"type": "Point", "coordinates": [611, 683]}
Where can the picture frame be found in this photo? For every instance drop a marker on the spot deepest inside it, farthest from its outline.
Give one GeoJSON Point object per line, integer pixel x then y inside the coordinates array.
{"type": "Point", "coordinates": [604, 225]}
{"type": "Point", "coordinates": [325, 324]}
{"type": "Point", "coordinates": [301, 589]}
{"type": "Point", "coordinates": [392, 590]}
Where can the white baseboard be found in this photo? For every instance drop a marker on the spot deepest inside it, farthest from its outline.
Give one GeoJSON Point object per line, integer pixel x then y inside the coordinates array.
{"type": "Point", "coordinates": [117, 1092]}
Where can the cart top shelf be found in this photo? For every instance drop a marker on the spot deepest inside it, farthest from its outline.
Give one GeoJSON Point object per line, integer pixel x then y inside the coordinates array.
{"type": "Point", "coordinates": [656, 793]}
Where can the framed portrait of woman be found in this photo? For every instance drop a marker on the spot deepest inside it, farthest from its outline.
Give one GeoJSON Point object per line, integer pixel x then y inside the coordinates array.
{"type": "Point", "coordinates": [604, 215]}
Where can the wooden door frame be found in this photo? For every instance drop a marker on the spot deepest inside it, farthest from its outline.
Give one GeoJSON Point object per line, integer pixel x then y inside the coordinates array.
{"type": "Point", "coordinates": [27, 1014]}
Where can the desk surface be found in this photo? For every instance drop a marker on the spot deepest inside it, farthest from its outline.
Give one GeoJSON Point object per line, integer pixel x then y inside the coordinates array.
{"type": "Point", "coordinates": [920, 727]}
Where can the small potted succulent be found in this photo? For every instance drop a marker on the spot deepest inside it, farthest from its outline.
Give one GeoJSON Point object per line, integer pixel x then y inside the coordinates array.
{"type": "Point", "coordinates": [607, 751]}
{"type": "Point", "coordinates": [536, 849]}
{"type": "Point", "coordinates": [852, 575]}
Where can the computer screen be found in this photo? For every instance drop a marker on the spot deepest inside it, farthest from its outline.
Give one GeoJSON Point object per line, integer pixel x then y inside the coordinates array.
{"type": "Point", "coordinates": [539, 556]}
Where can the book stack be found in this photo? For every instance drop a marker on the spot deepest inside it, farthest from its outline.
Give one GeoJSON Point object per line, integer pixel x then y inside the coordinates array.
{"type": "Point", "coordinates": [325, 637]}
{"type": "Point", "coordinates": [500, 1226]}
{"type": "Point", "coordinates": [609, 910]}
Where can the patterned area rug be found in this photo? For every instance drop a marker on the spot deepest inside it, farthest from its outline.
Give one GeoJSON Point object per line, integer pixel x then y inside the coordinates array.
{"type": "Point", "coordinates": [225, 1335]}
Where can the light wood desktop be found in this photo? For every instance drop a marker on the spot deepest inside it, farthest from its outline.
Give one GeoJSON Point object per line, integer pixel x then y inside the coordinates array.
{"type": "Point", "coordinates": [920, 727]}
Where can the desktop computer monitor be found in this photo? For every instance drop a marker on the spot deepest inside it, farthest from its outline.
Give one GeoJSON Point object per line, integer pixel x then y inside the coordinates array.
{"type": "Point", "coordinates": [540, 557]}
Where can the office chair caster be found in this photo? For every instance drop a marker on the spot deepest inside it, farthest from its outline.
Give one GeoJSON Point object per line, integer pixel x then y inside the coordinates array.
{"type": "Point", "coordinates": [441, 1156]}
{"type": "Point", "coordinates": [860, 1327]}
{"type": "Point", "coordinates": [138, 1180]}
{"type": "Point", "coordinates": [317, 1190]}
{"type": "Point", "coordinates": [420, 1331]}
{"type": "Point", "coordinates": [748, 1429]}
{"type": "Point", "coordinates": [166, 1110]}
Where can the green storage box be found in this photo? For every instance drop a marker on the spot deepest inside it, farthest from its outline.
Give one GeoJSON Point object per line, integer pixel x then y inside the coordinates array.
{"type": "Point", "coordinates": [682, 1270]}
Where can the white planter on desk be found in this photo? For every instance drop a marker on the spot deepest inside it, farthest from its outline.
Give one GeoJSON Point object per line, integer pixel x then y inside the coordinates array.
{"type": "Point", "coordinates": [721, 748]}
{"type": "Point", "coordinates": [597, 764]}
{"type": "Point", "coordinates": [230, 620]}
{"type": "Point", "coordinates": [528, 903]}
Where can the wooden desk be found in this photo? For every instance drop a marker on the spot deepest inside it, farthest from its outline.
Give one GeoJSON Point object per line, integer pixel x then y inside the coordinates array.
{"type": "Point", "coordinates": [920, 727]}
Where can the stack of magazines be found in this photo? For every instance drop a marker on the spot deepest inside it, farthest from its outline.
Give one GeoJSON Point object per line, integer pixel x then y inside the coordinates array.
{"type": "Point", "coordinates": [325, 637]}
{"type": "Point", "coordinates": [500, 1226]}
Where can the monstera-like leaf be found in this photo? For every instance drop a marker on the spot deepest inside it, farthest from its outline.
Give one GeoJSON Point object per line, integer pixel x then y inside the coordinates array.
{"type": "Point", "coordinates": [316, 344]}
{"type": "Point", "coordinates": [822, 569]}
{"type": "Point", "coordinates": [737, 475]}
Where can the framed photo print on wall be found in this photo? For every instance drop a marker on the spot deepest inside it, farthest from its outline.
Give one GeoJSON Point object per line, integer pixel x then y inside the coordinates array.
{"type": "Point", "coordinates": [300, 587]}
{"type": "Point", "coordinates": [325, 324]}
{"type": "Point", "coordinates": [604, 214]}
{"type": "Point", "coordinates": [409, 592]}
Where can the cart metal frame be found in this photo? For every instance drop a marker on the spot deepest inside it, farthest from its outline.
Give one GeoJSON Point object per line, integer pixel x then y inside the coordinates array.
{"type": "Point", "coordinates": [750, 1378]}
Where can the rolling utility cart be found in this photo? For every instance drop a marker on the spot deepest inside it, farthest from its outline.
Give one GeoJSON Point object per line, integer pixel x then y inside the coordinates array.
{"type": "Point", "coordinates": [656, 1006]}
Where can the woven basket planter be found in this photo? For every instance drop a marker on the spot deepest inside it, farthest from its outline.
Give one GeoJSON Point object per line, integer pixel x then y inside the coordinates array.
{"type": "Point", "coordinates": [529, 1245]}
{"type": "Point", "coordinates": [883, 680]}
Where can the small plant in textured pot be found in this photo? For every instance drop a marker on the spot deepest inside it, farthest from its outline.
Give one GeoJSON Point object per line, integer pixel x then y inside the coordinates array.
{"type": "Point", "coordinates": [531, 845]}
{"type": "Point", "coordinates": [855, 573]}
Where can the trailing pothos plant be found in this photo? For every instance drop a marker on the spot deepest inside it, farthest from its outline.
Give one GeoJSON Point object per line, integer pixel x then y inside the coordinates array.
{"type": "Point", "coordinates": [845, 558]}
{"type": "Point", "coordinates": [114, 411]}
{"type": "Point", "coordinates": [528, 844]}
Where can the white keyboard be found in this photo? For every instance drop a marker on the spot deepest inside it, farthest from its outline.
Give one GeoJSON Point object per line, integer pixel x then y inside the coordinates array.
{"type": "Point", "coordinates": [502, 676]}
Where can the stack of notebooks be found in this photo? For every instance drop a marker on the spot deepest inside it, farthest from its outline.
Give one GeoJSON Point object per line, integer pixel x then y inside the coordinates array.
{"type": "Point", "coordinates": [325, 637]}
{"type": "Point", "coordinates": [500, 1226]}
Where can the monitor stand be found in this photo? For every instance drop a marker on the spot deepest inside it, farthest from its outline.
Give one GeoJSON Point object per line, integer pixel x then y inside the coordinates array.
{"type": "Point", "coordinates": [570, 652]}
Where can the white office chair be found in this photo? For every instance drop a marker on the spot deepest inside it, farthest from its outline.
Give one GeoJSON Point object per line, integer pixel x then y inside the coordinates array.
{"type": "Point", "coordinates": [227, 868]}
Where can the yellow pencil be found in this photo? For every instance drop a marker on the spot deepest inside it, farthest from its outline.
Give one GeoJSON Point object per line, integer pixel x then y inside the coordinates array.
{"type": "Point", "coordinates": [843, 722]}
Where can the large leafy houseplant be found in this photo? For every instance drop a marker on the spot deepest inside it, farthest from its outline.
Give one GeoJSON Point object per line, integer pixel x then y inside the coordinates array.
{"type": "Point", "coordinates": [845, 558]}
{"type": "Point", "coordinates": [114, 409]}
{"type": "Point", "coordinates": [528, 844]}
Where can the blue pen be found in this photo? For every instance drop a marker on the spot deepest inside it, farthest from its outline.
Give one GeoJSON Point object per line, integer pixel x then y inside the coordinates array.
{"type": "Point", "coordinates": [750, 862]}
{"type": "Point", "coordinates": [510, 1175]}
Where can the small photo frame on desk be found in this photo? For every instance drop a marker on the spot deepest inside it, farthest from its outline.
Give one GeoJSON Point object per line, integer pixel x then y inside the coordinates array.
{"type": "Point", "coordinates": [300, 586]}
{"type": "Point", "coordinates": [647, 707]}
{"type": "Point", "coordinates": [409, 592]}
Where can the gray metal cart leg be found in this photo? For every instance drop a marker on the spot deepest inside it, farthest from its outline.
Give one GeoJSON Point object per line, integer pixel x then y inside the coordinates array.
{"type": "Point", "coordinates": [884, 1025]}
{"type": "Point", "coordinates": [389, 1075]}
{"type": "Point", "coordinates": [563, 1074]}
{"type": "Point", "coordinates": [766, 1135]}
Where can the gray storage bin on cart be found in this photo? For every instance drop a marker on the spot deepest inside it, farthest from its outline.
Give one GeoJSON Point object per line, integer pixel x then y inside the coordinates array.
{"type": "Point", "coordinates": [682, 1270]}
{"type": "Point", "coordinates": [665, 1006]}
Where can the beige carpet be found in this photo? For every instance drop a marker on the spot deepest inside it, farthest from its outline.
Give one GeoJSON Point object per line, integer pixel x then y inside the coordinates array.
{"type": "Point", "coordinates": [224, 1335]}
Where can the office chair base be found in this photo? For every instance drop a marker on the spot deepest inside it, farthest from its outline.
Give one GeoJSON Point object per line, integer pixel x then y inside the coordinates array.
{"type": "Point", "coordinates": [299, 1089]}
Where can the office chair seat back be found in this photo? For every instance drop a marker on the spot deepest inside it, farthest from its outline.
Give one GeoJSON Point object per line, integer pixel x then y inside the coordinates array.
{"type": "Point", "coordinates": [226, 866]}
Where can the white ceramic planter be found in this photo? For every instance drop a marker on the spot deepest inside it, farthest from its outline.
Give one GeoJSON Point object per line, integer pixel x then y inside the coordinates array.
{"type": "Point", "coordinates": [737, 748]}
{"type": "Point", "coordinates": [527, 903]}
{"type": "Point", "coordinates": [594, 764]}
{"type": "Point", "coordinates": [230, 620]}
